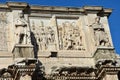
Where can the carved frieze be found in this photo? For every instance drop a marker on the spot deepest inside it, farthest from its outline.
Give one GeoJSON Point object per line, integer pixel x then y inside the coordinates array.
{"type": "Point", "coordinates": [44, 33]}
{"type": "Point", "coordinates": [68, 34]}
{"type": "Point", "coordinates": [70, 37]}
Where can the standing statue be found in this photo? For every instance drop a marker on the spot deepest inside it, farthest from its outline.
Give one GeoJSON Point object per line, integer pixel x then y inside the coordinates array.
{"type": "Point", "coordinates": [21, 29]}
{"type": "Point", "coordinates": [100, 35]}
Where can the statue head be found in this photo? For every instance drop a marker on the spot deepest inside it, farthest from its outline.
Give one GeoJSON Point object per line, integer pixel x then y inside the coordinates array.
{"type": "Point", "coordinates": [97, 19]}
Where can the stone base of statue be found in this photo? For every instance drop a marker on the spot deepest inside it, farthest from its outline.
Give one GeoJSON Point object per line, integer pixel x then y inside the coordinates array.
{"type": "Point", "coordinates": [23, 51]}
{"type": "Point", "coordinates": [105, 53]}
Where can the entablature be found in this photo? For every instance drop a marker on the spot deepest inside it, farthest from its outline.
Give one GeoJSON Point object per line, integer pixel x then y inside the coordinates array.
{"type": "Point", "coordinates": [56, 9]}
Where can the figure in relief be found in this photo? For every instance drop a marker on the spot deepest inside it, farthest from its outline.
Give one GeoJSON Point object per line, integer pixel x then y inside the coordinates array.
{"type": "Point", "coordinates": [39, 33]}
{"type": "Point", "coordinates": [77, 39]}
{"type": "Point", "coordinates": [45, 35]}
{"type": "Point", "coordinates": [3, 31]}
{"type": "Point", "coordinates": [43, 39]}
{"type": "Point", "coordinates": [69, 36]}
{"type": "Point", "coordinates": [50, 35]}
{"type": "Point", "coordinates": [100, 35]}
{"type": "Point", "coordinates": [21, 29]}
{"type": "Point", "coordinates": [3, 18]}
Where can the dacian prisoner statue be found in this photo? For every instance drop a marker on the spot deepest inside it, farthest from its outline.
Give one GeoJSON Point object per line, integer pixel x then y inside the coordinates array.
{"type": "Point", "coordinates": [100, 36]}
{"type": "Point", "coordinates": [21, 29]}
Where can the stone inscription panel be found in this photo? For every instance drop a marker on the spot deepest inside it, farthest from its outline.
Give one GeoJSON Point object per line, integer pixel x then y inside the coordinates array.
{"type": "Point", "coordinates": [43, 32]}
{"type": "Point", "coordinates": [70, 37]}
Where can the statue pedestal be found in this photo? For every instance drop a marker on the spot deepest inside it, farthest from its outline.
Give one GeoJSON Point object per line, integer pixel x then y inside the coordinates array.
{"type": "Point", "coordinates": [23, 51]}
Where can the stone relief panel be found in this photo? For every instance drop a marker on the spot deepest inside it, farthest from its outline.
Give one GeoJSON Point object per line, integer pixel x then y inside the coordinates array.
{"type": "Point", "coordinates": [100, 35]}
{"type": "Point", "coordinates": [3, 31]}
{"type": "Point", "coordinates": [70, 37]}
{"type": "Point", "coordinates": [44, 33]}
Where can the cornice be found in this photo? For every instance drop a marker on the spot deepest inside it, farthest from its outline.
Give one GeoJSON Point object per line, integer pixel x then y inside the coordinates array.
{"type": "Point", "coordinates": [57, 9]}
{"type": "Point", "coordinates": [17, 5]}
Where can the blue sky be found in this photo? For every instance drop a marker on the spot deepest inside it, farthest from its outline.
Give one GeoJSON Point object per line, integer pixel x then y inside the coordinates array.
{"type": "Point", "coordinates": [114, 19]}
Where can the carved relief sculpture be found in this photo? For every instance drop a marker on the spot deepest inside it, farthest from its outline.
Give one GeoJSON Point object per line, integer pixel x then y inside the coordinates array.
{"type": "Point", "coordinates": [45, 35]}
{"type": "Point", "coordinates": [100, 36]}
{"type": "Point", "coordinates": [42, 37]}
{"type": "Point", "coordinates": [69, 36]}
{"type": "Point", "coordinates": [50, 35]}
{"type": "Point", "coordinates": [3, 31]}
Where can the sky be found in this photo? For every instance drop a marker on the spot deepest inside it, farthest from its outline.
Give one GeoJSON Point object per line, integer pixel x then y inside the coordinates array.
{"type": "Point", "coordinates": [114, 19]}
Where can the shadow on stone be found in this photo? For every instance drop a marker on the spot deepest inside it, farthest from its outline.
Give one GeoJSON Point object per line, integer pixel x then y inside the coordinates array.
{"type": "Point", "coordinates": [35, 44]}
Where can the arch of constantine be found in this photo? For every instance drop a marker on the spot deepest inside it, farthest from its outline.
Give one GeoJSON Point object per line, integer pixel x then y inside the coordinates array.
{"type": "Point", "coordinates": [56, 43]}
